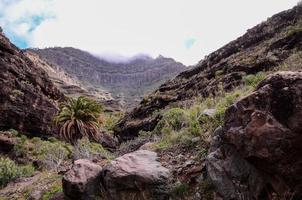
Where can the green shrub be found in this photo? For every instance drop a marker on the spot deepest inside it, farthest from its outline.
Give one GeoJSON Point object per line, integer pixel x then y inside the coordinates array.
{"type": "Point", "coordinates": [86, 149]}
{"type": "Point", "coordinates": [173, 118]}
{"type": "Point", "coordinates": [218, 73]}
{"type": "Point", "coordinates": [254, 79]}
{"type": "Point", "coordinates": [10, 171]}
{"type": "Point", "coordinates": [52, 153]}
{"type": "Point", "coordinates": [167, 141]}
{"type": "Point", "coordinates": [20, 148]}
{"type": "Point", "coordinates": [180, 189]}
{"type": "Point", "coordinates": [194, 127]}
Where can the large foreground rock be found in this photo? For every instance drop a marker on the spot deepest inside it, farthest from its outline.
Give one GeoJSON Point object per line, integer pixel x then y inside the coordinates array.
{"type": "Point", "coordinates": [258, 151]}
{"type": "Point", "coordinates": [81, 182]}
{"type": "Point", "coordinates": [136, 176]}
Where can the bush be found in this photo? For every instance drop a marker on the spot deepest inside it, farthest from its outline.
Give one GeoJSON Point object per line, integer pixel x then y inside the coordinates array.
{"type": "Point", "coordinates": [52, 153]}
{"type": "Point", "coordinates": [20, 148]}
{"type": "Point", "coordinates": [254, 79]}
{"type": "Point", "coordinates": [180, 189]}
{"type": "Point", "coordinates": [84, 149]}
{"type": "Point", "coordinates": [10, 171]}
{"type": "Point", "coordinates": [174, 118]}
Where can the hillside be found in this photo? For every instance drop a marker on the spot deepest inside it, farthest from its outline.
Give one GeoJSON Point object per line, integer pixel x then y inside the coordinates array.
{"type": "Point", "coordinates": [268, 45]}
{"type": "Point", "coordinates": [127, 82]}
{"type": "Point", "coordinates": [228, 128]}
{"type": "Point", "coordinates": [28, 99]}
{"type": "Point", "coordinates": [70, 86]}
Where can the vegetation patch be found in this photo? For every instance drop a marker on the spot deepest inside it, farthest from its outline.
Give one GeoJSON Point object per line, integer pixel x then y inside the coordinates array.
{"type": "Point", "coordinates": [10, 171]}
{"type": "Point", "coordinates": [84, 149]}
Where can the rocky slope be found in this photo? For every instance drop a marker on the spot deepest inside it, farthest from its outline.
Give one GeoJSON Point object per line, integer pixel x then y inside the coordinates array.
{"type": "Point", "coordinates": [71, 86]}
{"type": "Point", "coordinates": [256, 154]}
{"type": "Point", "coordinates": [264, 47]}
{"type": "Point", "coordinates": [28, 99]}
{"type": "Point", "coordinates": [127, 81]}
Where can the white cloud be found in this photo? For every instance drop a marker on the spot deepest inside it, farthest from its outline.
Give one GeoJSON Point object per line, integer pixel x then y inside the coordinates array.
{"type": "Point", "coordinates": [140, 26]}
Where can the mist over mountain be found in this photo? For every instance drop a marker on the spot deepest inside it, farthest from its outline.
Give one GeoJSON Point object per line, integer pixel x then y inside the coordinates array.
{"type": "Point", "coordinates": [127, 79]}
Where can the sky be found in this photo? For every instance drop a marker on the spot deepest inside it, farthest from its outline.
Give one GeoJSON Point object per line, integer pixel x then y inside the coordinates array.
{"type": "Point", "coordinates": [186, 30]}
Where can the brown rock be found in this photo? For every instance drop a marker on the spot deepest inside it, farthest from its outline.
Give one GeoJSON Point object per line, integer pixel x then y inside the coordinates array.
{"type": "Point", "coordinates": [263, 130]}
{"type": "Point", "coordinates": [6, 143]}
{"type": "Point", "coordinates": [27, 96]}
{"type": "Point", "coordinates": [82, 180]}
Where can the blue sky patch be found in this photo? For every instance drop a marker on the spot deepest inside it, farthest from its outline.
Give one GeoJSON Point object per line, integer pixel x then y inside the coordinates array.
{"type": "Point", "coordinates": [18, 41]}
{"type": "Point", "coordinates": [189, 43]}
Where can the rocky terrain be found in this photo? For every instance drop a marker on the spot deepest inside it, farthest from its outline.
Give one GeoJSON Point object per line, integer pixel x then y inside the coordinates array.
{"type": "Point", "coordinates": [127, 81]}
{"type": "Point", "coordinates": [229, 128]}
{"type": "Point", "coordinates": [28, 99]}
{"type": "Point", "coordinates": [70, 86]}
{"type": "Point", "coordinates": [264, 47]}
{"type": "Point", "coordinates": [256, 152]}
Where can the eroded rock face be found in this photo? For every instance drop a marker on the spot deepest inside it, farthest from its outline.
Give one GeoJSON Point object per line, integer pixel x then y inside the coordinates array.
{"type": "Point", "coordinates": [136, 176]}
{"type": "Point", "coordinates": [263, 132]}
{"type": "Point", "coordinates": [27, 96]}
{"type": "Point", "coordinates": [82, 180]}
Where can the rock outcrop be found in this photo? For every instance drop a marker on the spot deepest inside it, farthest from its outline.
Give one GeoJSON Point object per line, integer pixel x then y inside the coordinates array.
{"type": "Point", "coordinates": [134, 176]}
{"type": "Point", "coordinates": [28, 99]}
{"type": "Point", "coordinates": [82, 180]}
{"type": "Point", "coordinates": [127, 81]}
{"type": "Point", "coordinates": [257, 153]}
{"type": "Point", "coordinates": [263, 47]}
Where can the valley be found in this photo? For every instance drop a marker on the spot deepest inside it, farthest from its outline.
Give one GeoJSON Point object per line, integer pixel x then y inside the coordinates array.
{"type": "Point", "coordinates": [126, 82]}
{"type": "Point", "coordinates": [75, 125]}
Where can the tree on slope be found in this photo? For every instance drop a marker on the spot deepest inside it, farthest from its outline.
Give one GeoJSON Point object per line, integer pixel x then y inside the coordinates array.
{"type": "Point", "coordinates": [79, 118]}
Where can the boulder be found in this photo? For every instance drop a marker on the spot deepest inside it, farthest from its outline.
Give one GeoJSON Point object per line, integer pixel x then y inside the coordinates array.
{"type": "Point", "coordinates": [257, 153]}
{"type": "Point", "coordinates": [107, 141]}
{"type": "Point", "coordinates": [82, 180]}
{"type": "Point", "coordinates": [135, 176]}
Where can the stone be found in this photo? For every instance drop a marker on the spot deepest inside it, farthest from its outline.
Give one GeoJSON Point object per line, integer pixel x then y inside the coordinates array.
{"type": "Point", "coordinates": [35, 195]}
{"type": "Point", "coordinates": [261, 138]}
{"type": "Point", "coordinates": [147, 146]}
{"type": "Point", "coordinates": [108, 141]}
{"type": "Point", "coordinates": [135, 176]}
{"type": "Point", "coordinates": [81, 182]}
{"type": "Point", "coordinates": [209, 112]}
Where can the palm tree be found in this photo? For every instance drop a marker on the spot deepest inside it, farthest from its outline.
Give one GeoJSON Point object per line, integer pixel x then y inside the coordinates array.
{"type": "Point", "coordinates": [78, 118]}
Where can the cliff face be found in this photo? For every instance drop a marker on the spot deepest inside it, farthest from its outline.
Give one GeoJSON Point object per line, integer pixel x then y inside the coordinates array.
{"type": "Point", "coordinates": [71, 86]}
{"type": "Point", "coordinates": [263, 47]}
{"type": "Point", "coordinates": [127, 82]}
{"type": "Point", "coordinates": [28, 99]}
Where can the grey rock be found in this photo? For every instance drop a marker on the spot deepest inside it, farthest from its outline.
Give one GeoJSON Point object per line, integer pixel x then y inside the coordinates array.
{"type": "Point", "coordinates": [135, 176]}
{"type": "Point", "coordinates": [82, 180]}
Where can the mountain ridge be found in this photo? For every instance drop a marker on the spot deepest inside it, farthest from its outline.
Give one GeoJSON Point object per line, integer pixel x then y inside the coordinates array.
{"type": "Point", "coordinates": [127, 82]}
{"type": "Point", "coordinates": [263, 47]}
